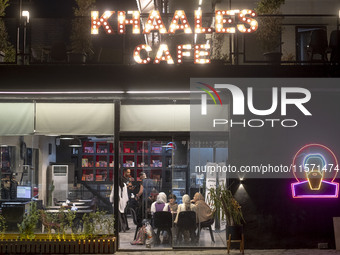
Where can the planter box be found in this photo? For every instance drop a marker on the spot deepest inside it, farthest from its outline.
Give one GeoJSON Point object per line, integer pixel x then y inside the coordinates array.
{"type": "Point", "coordinates": [42, 245]}
{"type": "Point", "coordinates": [273, 58]}
{"type": "Point", "coordinates": [76, 58]}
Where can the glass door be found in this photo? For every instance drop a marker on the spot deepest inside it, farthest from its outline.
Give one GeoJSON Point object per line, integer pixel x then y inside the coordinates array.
{"type": "Point", "coordinates": [204, 227]}
{"type": "Point", "coordinates": [156, 175]}
{"type": "Point", "coordinates": [168, 193]}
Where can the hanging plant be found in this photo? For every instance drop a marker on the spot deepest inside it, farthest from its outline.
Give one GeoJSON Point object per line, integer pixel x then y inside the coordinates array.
{"type": "Point", "coordinates": [5, 46]}
{"type": "Point", "coordinates": [270, 27]}
{"type": "Point", "coordinates": [81, 37]}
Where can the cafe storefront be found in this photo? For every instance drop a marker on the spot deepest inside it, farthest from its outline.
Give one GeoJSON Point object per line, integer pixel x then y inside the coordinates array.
{"type": "Point", "coordinates": [144, 132]}
{"type": "Point", "coordinates": [174, 125]}
{"type": "Point", "coordinates": [68, 146]}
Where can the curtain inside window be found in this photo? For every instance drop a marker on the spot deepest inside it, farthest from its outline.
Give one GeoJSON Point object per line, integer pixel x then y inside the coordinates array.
{"type": "Point", "coordinates": [75, 118]}
{"type": "Point", "coordinates": [16, 119]}
{"type": "Point", "coordinates": [155, 118]}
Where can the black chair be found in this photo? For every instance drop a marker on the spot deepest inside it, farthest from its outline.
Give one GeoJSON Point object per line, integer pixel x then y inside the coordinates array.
{"type": "Point", "coordinates": [334, 45]}
{"type": "Point", "coordinates": [206, 224]}
{"type": "Point", "coordinates": [318, 44]}
{"type": "Point", "coordinates": [135, 221]}
{"type": "Point", "coordinates": [186, 221]}
{"type": "Point", "coordinates": [56, 202]}
{"type": "Point", "coordinates": [163, 222]}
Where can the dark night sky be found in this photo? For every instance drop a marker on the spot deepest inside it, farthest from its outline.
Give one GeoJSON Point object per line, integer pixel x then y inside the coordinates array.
{"type": "Point", "coordinates": [63, 8]}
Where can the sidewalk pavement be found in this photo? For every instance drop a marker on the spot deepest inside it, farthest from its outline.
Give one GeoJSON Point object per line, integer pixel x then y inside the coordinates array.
{"type": "Point", "coordinates": [234, 252]}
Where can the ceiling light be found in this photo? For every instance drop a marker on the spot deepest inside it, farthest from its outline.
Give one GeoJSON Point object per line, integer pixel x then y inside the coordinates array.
{"type": "Point", "coordinates": [65, 137]}
{"type": "Point", "coordinates": [75, 143]}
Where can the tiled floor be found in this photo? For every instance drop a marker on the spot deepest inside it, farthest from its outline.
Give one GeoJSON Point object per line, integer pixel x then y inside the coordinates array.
{"type": "Point", "coordinates": [204, 241]}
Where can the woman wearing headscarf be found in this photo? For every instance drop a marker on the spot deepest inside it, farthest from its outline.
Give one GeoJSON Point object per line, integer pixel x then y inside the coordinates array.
{"type": "Point", "coordinates": [203, 211]}
{"type": "Point", "coordinates": [185, 206]}
{"type": "Point", "coordinates": [160, 204]}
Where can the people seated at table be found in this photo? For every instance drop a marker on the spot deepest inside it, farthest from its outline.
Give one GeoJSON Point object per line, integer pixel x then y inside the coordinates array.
{"type": "Point", "coordinates": [123, 199]}
{"type": "Point", "coordinates": [160, 204]}
{"type": "Point", "coordinates": [172, 203]}
{"type": "Point", "coordinates": [203, 210]}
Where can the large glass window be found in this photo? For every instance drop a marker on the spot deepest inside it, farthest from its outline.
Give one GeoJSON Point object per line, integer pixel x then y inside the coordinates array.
{"type": "Point", "coordinates": [62, 158]}
{"type": "Point", "coordinates": [59, 157]}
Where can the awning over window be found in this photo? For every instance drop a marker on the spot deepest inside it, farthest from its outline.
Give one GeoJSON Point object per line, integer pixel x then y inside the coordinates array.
{"type": "Point", "coordinates": [16, 118]}
{"type": "Point", "coordinates": [75, 118]}
{"type": "Point", "coordinates": [155, 117]}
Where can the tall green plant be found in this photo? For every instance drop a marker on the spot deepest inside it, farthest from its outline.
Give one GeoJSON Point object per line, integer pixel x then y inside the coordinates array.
{"type": "Point", "coordinates": [81, 24]}
{"type": "Point", "coordinates": [70, 217]}
{"type": "Point", "coordinates": [3, 226]}
{"type": "Point", "coordinates": [48, 218]}
{"type": "Point", "coordinates": [104, 223]}
{"type": "Point", "coordinates": [109, 222]}
{"type": "Point", "coordinates": [89, 225]}
{"type": "Point", "coordinates": [221, 197]}
{"type": "Point", "coordinates": [270, 27]}
{"type": "Point", "coordinates": [5, 45]}
{"type": "Point", "coordinates": [29, 222]}
{"type": "Point", "coordinates": [97, 223]}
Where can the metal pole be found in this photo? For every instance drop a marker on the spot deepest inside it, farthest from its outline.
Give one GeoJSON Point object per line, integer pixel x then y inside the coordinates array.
{"type": "Point", "coordinates": [18, 34]}
{"type": "Point", "coordinates": [116, 174]}
{"type": "Point", "coordinates": [24, 46]}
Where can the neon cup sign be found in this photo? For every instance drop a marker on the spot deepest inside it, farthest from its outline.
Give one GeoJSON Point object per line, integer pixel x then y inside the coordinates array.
{"type": "Point", "coordinates": [226, 22]}
{"type": "Point", "coordinates": [315, 168]}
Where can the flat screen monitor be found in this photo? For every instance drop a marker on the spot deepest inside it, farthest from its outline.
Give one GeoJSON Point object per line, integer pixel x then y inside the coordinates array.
{"type": "Point", "coordinates": [24, 192]}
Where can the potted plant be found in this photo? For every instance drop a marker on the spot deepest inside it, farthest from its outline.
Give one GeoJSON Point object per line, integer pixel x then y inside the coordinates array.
{"type": "Point", "coordinates": [29, 222]}
{"type": "Point", "coordinates": [80, 36]}
{"type": "Point", "coordinates": [222, 199]}
{"type": "Point", "coordinates": [7, 51]}
{"type": "Point", "coordinates": [270, 29]}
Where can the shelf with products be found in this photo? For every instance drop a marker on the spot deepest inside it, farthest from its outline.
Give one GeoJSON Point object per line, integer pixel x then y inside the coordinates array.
{"type": "Point", "coordinates": [104, 148]}
{"type": "Point", "coordinates": [128, 147]}
{"type": "Point", "coordinates": [101, 175]}
{"type": "Point", "coordinates": [87, 161]}
{"type": "Point", "coordinates": [158, 159]}
{"type": "Point", "coordinates": [87, 175]}
{"type": "Point", "coordinates": [88, 147]}
{"type": "Point", "coordinates": [97, 161]}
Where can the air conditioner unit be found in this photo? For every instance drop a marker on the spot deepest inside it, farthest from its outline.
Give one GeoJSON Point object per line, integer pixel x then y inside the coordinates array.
{"type": "Point", "coordinates": [59, 176]}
